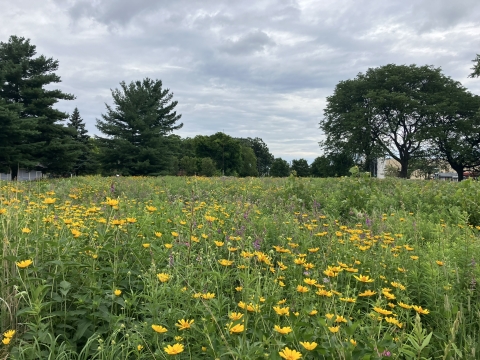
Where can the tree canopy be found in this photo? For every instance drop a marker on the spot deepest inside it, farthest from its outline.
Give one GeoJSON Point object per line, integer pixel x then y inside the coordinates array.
{"type": "Point", "coordinates": [385, 112]}
{"type": "Point", "coordinates": [137, 129]}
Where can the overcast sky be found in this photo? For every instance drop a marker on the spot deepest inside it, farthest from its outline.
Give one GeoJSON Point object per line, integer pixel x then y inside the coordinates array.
{"type": "Point", "coordinates": [258, 68]}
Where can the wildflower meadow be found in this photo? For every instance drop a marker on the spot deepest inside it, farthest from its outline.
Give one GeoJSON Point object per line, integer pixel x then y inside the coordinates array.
{"type": "Point", "coordinates": [228, 268]}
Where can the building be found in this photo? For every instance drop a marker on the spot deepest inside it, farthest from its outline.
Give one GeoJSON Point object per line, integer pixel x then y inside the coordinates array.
{"type": "Point", "coordinates": [22, 175]}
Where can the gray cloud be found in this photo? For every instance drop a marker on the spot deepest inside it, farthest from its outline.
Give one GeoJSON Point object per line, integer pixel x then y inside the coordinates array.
{"type": "Point", "coordinates": [252, 68]}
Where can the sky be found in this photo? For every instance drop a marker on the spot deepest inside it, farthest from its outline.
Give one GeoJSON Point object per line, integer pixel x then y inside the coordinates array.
{"type": "Point", "coordinates": [247, 68]}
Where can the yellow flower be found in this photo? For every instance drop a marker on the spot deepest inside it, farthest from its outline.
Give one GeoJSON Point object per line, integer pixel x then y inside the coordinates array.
{"type": "Point", "coordinates": [3, 211]}
{"type": "Point", "coordinates": [414, 257]}
{"type": "Point", "coordinates": [174, 350]}
{"type": "Point", "coordinates": [159, 329]}
{"type": "Point", "coordinates": [49, 201]}
{"type": "Point", "coordinates": [139, 347]}
{"type": "Point", "coordinates": [9, 334]}
{"type": "Point", "coordinates": [329, 316]}
{"type": "Point", "coordinates": [118, 292]}
{"type": "Point", "coordinates": [235, 329]}
{"type": "Point", "coordinates": [349, 300]}
{"type": "Point", "coordinates": [168, 246]}
{"type": "Point", "coordinates": [334, 329]}
{"type": "Point", "coordinates": [146, 245]}
{"type": "Point", "coordinates": [184, 324]}
{"type": "Point", "coordinates": [26, 231]}
{"type": "Point", "coordinates": [282, 310]}
{"type": "Point", "coordinates": [302, 289]}
{"type": "Point", "coordinates": [309, 345]}
{"type": "Point", "coordinates": [163, 277]}
{"type": "Point", "coordinates": [175, 234]}
{"type": "Point", "coordinates": [178, 338]}
{"type": "Point", "coordinates": [353, 342]}
{"type": "Point", "coordinates": [235, 316]}
{"type": "Point", "coordinates": [151, 208]}
{"type": "Point", "coordinates": [419, 310]}
{"type": "Point", "coordinates": [440, 263]}
{"type": "Point", "coordinates": [24, 264]}
{"type": "Point", "coordinates": [219, 243]}
{"type": "Point", "coordinates": [367, 293]}
{"type": "Point", "coordinates": [283, 330]}
{"type": "Point", "coordinates": [405, 306]}
{"type": "Point", "coordinates": [239, 288]}
{"type": "Point", "coordinates": [382, 311]}
{"type": "Point", "coordinates": [6, 341]}
{"type": "Point", "coordinates": [340, 319]}
{"type": "Point", "coordinates": [225, 262]}
{"type": "Point", "coordinates": [289, 354]}
{"type": "Point", "coordinates": [310, 281]}
{"type": "Point", "coordinates": [208, 296]}
{"type": "Point", "coordinates": [313, 312]}
{"type": "Point", "coordinates": [158, 234]}
{"type": "Point", "coordinates": [363, 278]}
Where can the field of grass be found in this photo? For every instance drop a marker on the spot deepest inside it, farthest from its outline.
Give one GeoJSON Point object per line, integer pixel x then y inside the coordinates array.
{"type": "Point", "coordinates": [225, 268]}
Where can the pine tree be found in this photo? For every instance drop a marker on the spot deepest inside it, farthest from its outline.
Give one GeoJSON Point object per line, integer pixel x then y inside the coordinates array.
{"type": "Point", "coordinates": [25, 80]}
{"type": "Point", "coordinates": [137, 129]}
{"type": "Point", "coordinates": [86, 162]}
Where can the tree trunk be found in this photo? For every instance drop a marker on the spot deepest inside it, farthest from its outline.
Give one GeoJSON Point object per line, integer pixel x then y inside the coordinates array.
{"type": "Point", "coordinates": [404, 169]}
{"type": "Point", "coordinates": [459, 171]}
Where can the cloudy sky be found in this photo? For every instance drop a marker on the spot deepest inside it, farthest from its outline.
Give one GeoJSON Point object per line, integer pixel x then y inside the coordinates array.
{"type": "Point", "coordinates": [258, 68]}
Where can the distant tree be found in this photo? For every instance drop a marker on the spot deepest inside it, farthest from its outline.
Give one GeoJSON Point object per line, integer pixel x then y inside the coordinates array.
{"type": "Point", "coordinates": [136, 129]}
{"type": "Point", "coordinates": [301, 167]}
{"type": "Point", "coordinates": [25, 82]}
{"type": "Point", "coordinates": [262, 153]}
{"type": "Point", "coordinates": [332, 165]}
{"type": "Point", "coordinates": [249, 162]}
{"type": "Point", "coordinates": [224, 150]}
{"type": "Point", "coordinates": [280, 168]}
{"type": "Point", "coordinates": [15, 133]}
{"type": "Point", "coordinates": [454, 133]}
{"type": "Point", "coordinates": [207, 167]}
{"type": "Point", "coordinates": [476, 67]}
{"type": "Point", "coordinates": [188, 165]}
{"type": "Point", "coordinates": [386, 109]}
{"type": "Point", "coordinates": [85, 163]}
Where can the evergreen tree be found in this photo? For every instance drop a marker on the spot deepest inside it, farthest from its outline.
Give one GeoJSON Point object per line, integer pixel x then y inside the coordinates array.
{"type": "Point", "coordinates": [25, 78]}
{"type": "Point", "coordinates": [86, 162]}
{"type": "Point", "coordinates": [137, 127]}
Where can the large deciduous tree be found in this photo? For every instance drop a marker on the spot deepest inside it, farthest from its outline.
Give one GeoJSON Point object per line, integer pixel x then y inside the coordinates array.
{"type": "Point", "coordinates": [280, 168]}
{"type": "Point", "coordinates": [137, 128]}
{"type": "Point", "coordinates": [384, 112]}
{"type": "Point", "coordinates": [24, 81]}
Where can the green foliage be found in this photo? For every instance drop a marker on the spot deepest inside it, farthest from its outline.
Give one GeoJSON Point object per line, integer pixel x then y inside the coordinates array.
{"type": "Point", "coordinates": [224, 150]}
{"type": "Point", "coordinates": [476, 67]}
{"type": "Point", "coordinates": [249, 162]}
{"type": "Point", "coordinates": [38, 136]}
{"type": "Point", "coordinates": [280, 168]}
{"type": "Point", "coordinates": [207, 167]}
{"type": "Point", "coordinates": [301, 167]}
{"type": "Point", "coordinates": [331, 165]}
{"type": "Point", "coordinates": [386, 111]}
{"type": "Point", "coordinates": [137, 128]}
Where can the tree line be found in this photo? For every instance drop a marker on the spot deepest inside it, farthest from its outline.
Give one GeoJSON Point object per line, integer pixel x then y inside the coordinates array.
{"type": "Point", "coordinates": [410, 113]}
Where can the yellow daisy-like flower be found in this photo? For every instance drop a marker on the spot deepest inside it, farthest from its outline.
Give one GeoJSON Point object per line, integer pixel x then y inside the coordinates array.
{"type": "Point", "coordinates": [310, 281]}
{"type": "Point", "coordinates": [309, 345]}
{"type": "Point", "coordinates": [282, 310]}
{"type": "Point", "coordinates": [118, 292]}
{"type": "Point", "coordinates": [26, 231]}
{"type": "Point", "coordinates": [9, 334]}
{"type": "Point", "coordinates": [313, 312]}
{"type": "Point", "coordinates": [175, 234]}
{"type": "Point", "coordinates": [163, 277]}
{"type": "Point", "coordinates": [329, 316]}
{"type": "Point", "coordinates": [139, 347]}
{"type": "Point", "coordinates": [405, 306]}
{"type": "Point", "coordinates": [367, 293]}
{"type": "Point", "coordinates": [235, 316]}
{"type": "Point", "coordinates": [168, 246]}
{"type": "Point", "coordinates": [414, 257]}
{"type": "Point", "coordinates": [235, 329]}
{"type": "Point", "coordinates": [159, 328]}
{"type": "Point", "coordinates": [151, 208]}
{"type": "Point", "coordinates": [290, 354]}
{"type": "Point", "coordinates": [334, 329]}
{"type": "Point", "coordinates": [219, 243]}
{"type": "Point", "coordinates": [146, 245]}
{"type": "Point", "coordinates": [174, 350]}
{"type": "Point", "coordinates": [208, 296]}
{"type": "Point", "coordinates": [49, 201]}
{"type": "Point", "coordinates": [6, 341]}
{"type": "Point", "coordinates": [225, 262]}
{"type": "Point", "coordinates": [440, 263]}
{"type": "Point", "coordinates": [382, 311]}
{"type": "Point", "coordinates": [184, 324]}
{"type": "Point", "coordinates": [302, 289]}
{"type": "Point", "coordinates": [340, 319]}
{"type": "Point", "coordinates": [24, 264]}
{"type": "Point", "coordinates": [364, 278]}
{"type": "Point", "coordinates": [419, 310]}
{"type": "Point", "coordinates": [158, 234]}
{"type": "Point", "coordinates": [282, 330]}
